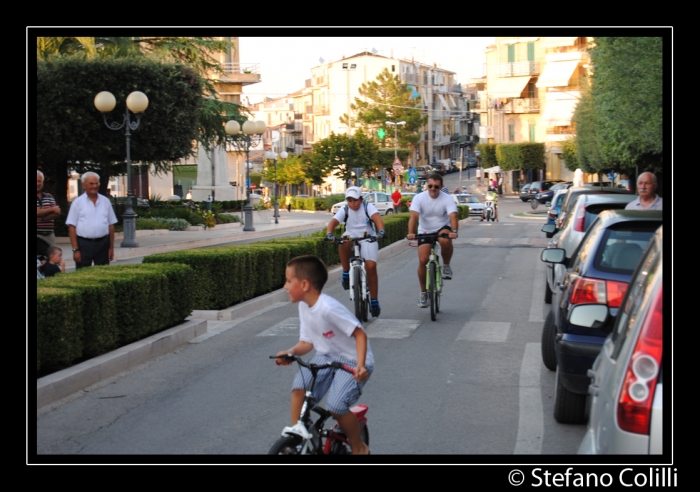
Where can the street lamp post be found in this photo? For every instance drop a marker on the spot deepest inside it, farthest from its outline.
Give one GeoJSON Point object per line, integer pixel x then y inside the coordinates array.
{"type": "Point", "coordinates": [271, 154]}
{"type": "Point", "coordinates": [137, 102]}
{"type": "Point", "coordinates": [396, 140]}
{"type": "Point", "coordinates": [252, 131]}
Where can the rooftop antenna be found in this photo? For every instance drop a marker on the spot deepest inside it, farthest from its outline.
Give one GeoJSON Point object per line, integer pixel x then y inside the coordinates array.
{"type": "Point", "coordinates": [374, 51]}
{"type": "Point", "coordinates": [321, 60]}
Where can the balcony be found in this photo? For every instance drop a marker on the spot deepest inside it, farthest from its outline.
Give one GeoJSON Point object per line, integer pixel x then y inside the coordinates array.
{"type": "Point", "coordinates": [518, 68]}
{"type": "Point", "coordinates": [241, 73]}
{"type": "Point", "coordinates": [522, 105]}
{"type": "Point", "coordinates": [410, 78]}
{"type": "Point", "coordinates": [298, 141]}
{"type": "Point", "coordinates": [321, 110]}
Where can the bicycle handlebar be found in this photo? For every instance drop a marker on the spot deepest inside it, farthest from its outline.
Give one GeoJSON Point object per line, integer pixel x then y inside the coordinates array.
{"type": "Point", "coordinates": [371, 239]}
{"type": "Point", "coordinates": [334, 364]}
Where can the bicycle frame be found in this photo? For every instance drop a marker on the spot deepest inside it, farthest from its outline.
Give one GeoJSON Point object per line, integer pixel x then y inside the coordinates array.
{"type": "Point", "coordinates": [315, 439]}
{"type": "Point", "coordinates": [358, 263]}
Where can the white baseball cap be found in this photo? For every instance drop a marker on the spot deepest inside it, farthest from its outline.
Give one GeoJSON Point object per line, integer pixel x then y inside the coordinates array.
{"type": "Point", "coordinates": [353, 192]}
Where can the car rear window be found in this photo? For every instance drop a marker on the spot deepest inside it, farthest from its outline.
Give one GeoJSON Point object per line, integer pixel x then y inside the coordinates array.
{"type": "Point", "coordinates": [593, 211]}
{"type": "Point", "coordinates": [621, 249]}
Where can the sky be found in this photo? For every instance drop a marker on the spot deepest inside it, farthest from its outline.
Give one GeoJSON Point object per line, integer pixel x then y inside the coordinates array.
{"type": "Point", "coordinates": [286, 62]}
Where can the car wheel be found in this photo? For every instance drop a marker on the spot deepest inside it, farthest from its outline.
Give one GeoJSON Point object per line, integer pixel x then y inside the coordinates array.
{"type": "Point", "coordinates": [524, 199]}
{"type": "Point", "coordinates": [569, 407]}
{"type": "Point", "coordinates": [389, 211]}
{"type": "Point", "coordinates": [547, 292]}
{"type": "Point", "coordinates": [549, 331]}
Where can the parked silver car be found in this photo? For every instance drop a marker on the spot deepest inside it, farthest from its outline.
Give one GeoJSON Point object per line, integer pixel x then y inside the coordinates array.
{"type": "Point", "coordinates": [381, 200]}
{"type": "Point", "coordinates": [627, 376]}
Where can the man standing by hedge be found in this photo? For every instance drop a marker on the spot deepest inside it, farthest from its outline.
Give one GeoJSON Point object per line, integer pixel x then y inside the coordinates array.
{"type": "Point", "coordinates": [46, 212]}
{"type": "Point", "coordinates": [396, 198]}
{"type": "Point", "coordinates": [90, 224]}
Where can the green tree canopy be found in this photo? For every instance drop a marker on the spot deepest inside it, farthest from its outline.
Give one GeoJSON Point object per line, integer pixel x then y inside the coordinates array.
{"type": "Point", "coordinates": [71, 132]}
{"type": "Point", "coordinates": [627, 99]}
{"type": "Point", "coordinates": [339, 153]}
{"type": "Point", "coordinates": [387, 99]}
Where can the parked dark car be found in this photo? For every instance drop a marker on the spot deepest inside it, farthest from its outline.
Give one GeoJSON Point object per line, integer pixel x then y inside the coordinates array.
{"type": "Point", "coordinates": [438, 167]}
{"type": "Point", "coordinates": [525, 192]}
{"type": "Point", "coordinates": [626, 388]}
{"type": "Point", "coordinates": [598, 273]}
{"type": "Point", "coordinates": [540, 187]}
{"type": "Point", "coordinates": [546, 195]}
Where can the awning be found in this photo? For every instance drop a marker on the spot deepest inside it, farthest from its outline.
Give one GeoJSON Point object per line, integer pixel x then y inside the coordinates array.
{"type": "Point", "coordinates": [494, 169]}
{"type": "Point", "coordinates": [444, 102]}
{"type": "Point", "coordinates": [557, 74]}
{"type": "Point", "coordinates": [509, 87]}
{"type": "Point", "coordinates": [561, 41]}
{"type": "Point", "coordinates": [559, 109]}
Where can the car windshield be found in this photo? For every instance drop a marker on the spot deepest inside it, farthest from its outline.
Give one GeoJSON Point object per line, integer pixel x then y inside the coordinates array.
{"type": "Point", "coordinates": [622, 249]}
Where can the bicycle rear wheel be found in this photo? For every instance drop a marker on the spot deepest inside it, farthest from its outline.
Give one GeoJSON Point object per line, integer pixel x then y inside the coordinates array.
{"type": "Point", "coordinates": [287, 445]}
{"type": "Point", "coordinates": [357, 292]}
{"type": "Point", "coordinates": [432, 290]}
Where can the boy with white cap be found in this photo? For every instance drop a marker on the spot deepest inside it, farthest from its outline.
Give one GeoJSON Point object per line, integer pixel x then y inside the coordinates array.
{"type": "Point", "coordinates": [358, 223]}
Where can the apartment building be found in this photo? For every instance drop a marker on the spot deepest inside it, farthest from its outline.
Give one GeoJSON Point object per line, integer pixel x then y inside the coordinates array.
{"type": "Point", "coordinates": [532, 88]}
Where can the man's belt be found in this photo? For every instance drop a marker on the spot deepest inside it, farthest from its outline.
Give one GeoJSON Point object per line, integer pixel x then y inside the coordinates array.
{"type": "Point", "coordinates": [95, 239]}
{"type": "Point", "coordinates": [44, 233]}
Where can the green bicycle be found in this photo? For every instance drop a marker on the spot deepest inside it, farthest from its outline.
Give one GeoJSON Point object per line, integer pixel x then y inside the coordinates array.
{"type": "Point", "coordinates": [433, 277]}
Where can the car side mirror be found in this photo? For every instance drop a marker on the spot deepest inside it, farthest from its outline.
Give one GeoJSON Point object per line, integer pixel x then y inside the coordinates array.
{"type": "Point", "coordinates": [549, 228]}
{"type": "Point", "coordinates": [593, 316]}
{"type": "Point", "coordinates": [553, 255]}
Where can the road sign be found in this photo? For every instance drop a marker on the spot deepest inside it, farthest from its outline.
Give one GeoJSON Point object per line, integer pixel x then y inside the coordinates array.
{"type": "Point", "coordinates": [412, 173]}
{"type": "Point", "coordinates": [252, 185]}
{"type": "Point", "coordinates": [247, 182]}
{"type": "Point", "coordinates": [397, 163]}
{"type": "Point", "coordinates": [477, 152]}
{"type": "Point", "coordinates": [612, 176]}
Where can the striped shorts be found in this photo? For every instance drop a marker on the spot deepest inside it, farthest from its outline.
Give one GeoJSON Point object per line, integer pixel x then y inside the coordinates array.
{"type": "Point", "coordinates": [344, 390]}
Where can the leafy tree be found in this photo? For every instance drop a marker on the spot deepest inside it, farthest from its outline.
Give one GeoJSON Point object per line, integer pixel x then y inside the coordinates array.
{"type": "Point", "coordinates": [523, 155]}
{"type": "Point", "coordinates": [569, 151]}
{"type": "Point", "coordinates": [627, 93]}
{"type": "Point", "coordinates": [338, 154]}
{"type": "Point", "coordinates": [71, 132]}
{"type": "Point", "coordinates": [587, 153]}
{"type": "Point", "coordinates": [292, 171]}
{"type": "Point", "coordinates": [387, 99]}
{"type": "Point", "coordinates": [488, 154]}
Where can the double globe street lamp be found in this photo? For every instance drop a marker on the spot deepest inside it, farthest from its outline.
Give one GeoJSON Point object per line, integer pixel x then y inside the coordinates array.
{"type": "Point", "coordinates": [272, 155]}
{"type": "Point", "coordinates": [137, 102]}
{"type": "Point", "coordinates": [252, 135]}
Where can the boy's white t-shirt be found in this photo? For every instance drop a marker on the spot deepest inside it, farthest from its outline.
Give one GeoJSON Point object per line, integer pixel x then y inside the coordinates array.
{"type": "Point", "coordinates": [358, 222]}
{"type": "Point", "coordinates": [434, 212]}
{"type": "Point", "coordinates": [329, 326]}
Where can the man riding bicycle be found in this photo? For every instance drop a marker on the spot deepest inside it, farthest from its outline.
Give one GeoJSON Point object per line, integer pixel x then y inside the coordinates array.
{"type": "Point", "coordinates": [358, 218]}
{"type": "Point", "coordinates": [491, 195]}
{"type": "Point", "coordinates": [433, 211]}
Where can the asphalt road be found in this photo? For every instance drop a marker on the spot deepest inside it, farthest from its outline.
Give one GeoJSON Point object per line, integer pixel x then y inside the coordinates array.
{"type": "Point", "coordinates": [468, 388]}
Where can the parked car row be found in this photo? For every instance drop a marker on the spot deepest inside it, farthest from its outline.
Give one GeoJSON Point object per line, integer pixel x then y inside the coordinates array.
{"type": "Point", "coordinates": [383, 202]}
{"type": "Point", "coordinates": [603, 333]}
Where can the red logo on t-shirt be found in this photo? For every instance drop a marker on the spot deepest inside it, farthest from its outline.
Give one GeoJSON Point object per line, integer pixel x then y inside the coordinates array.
{"type": "Point", "coordinates": [329, 334]}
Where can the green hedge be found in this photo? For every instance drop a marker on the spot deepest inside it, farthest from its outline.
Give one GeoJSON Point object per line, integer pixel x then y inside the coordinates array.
{"type": "Point", "coordinates": [94, 310]}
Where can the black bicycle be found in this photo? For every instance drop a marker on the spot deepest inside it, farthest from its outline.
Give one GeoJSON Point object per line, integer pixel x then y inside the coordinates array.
{"type": "Point", "coordinates": [312, 437]}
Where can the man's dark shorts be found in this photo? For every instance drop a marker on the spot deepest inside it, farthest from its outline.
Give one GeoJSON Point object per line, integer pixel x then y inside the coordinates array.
{"type": "Point", "coordinates": [424, 240]}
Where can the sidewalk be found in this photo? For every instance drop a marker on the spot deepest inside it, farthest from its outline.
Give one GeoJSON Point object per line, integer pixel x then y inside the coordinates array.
{"type": "Point", "coordinates": [161, 241]}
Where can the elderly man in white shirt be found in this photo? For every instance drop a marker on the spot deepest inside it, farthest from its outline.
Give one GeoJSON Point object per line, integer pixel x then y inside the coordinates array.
{"type": "Point", "coordinates": [646, 189]}
{"type": "Point", "coordinates": [90, 224]}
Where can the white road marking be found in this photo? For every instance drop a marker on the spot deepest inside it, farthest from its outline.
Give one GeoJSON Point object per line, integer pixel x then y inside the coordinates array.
{"type": "Point", "coordinates": [531, 414]}
{"type": "Point", "coordinates": [537, 293]}
{"type": "Point", "coordinates": [286, 328]}
{"type": "Point", "coordinates": [484, 331]}
{"type": "Point", "coordinates": [392, 328]}
{"type": "Point", "coordinates": [216, 327]}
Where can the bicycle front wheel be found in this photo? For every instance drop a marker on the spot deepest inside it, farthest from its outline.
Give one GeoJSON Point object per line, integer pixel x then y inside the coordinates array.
{"type": "Point", "coordinates": [432, 290]}
{"type": "Point", "coordinates": [438, 288]}
{"type": "Point", "coordinates": [287, 445]}
{"type": "Point", "coordinates": [357, 292]}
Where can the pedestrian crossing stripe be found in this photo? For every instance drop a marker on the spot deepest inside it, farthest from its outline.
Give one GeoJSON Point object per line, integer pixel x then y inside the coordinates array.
{"type": "Point", "coordinates": [379, 328]}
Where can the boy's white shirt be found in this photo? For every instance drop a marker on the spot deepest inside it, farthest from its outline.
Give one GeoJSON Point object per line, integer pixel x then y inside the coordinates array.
{"type": "Point", "coordinates": [358, 222]}
{"type": "Point", "coordinates": [329, 326]}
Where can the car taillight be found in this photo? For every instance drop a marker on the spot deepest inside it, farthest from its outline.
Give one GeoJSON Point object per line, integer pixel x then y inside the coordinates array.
{"type": "Point", "coordinates": [594, 291]}
{"type": "Point", "coordinates": [579, 218]}
{"type": "Point", "coordinates": [634, 405]}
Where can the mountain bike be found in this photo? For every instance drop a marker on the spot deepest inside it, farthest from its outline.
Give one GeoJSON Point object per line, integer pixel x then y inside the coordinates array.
{"type": "Point", "coordinates": [312, 437]}
{"type": "Point", "coordinates": [359, 289]}
{"type": "Point", "coordinates": [433, 277]}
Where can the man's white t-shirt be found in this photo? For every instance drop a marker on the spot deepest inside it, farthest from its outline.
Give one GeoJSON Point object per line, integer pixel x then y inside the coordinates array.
{"type": "Point", "coordinates": [434, 212]}
{"type": "Point", "coordinates": [358, 221]}
{"type": "Point", "coordinates": [329, 326]}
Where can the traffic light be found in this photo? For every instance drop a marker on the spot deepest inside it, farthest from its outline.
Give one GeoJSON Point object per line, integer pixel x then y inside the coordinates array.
{"type": "Point", "coordinates": [381, 133]}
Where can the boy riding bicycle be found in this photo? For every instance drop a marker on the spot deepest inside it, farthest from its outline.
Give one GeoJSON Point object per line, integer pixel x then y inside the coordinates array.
{"type": "Point", "coordinates": [358, 223]}
{"type": "Point", "coordinates": [433, 211]}
{"type": "Point", "coordinates": [337, 335]}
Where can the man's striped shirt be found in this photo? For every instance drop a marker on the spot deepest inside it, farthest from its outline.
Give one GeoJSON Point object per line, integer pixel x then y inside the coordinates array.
{"type": "Point", "coordinates": [46, 201]}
